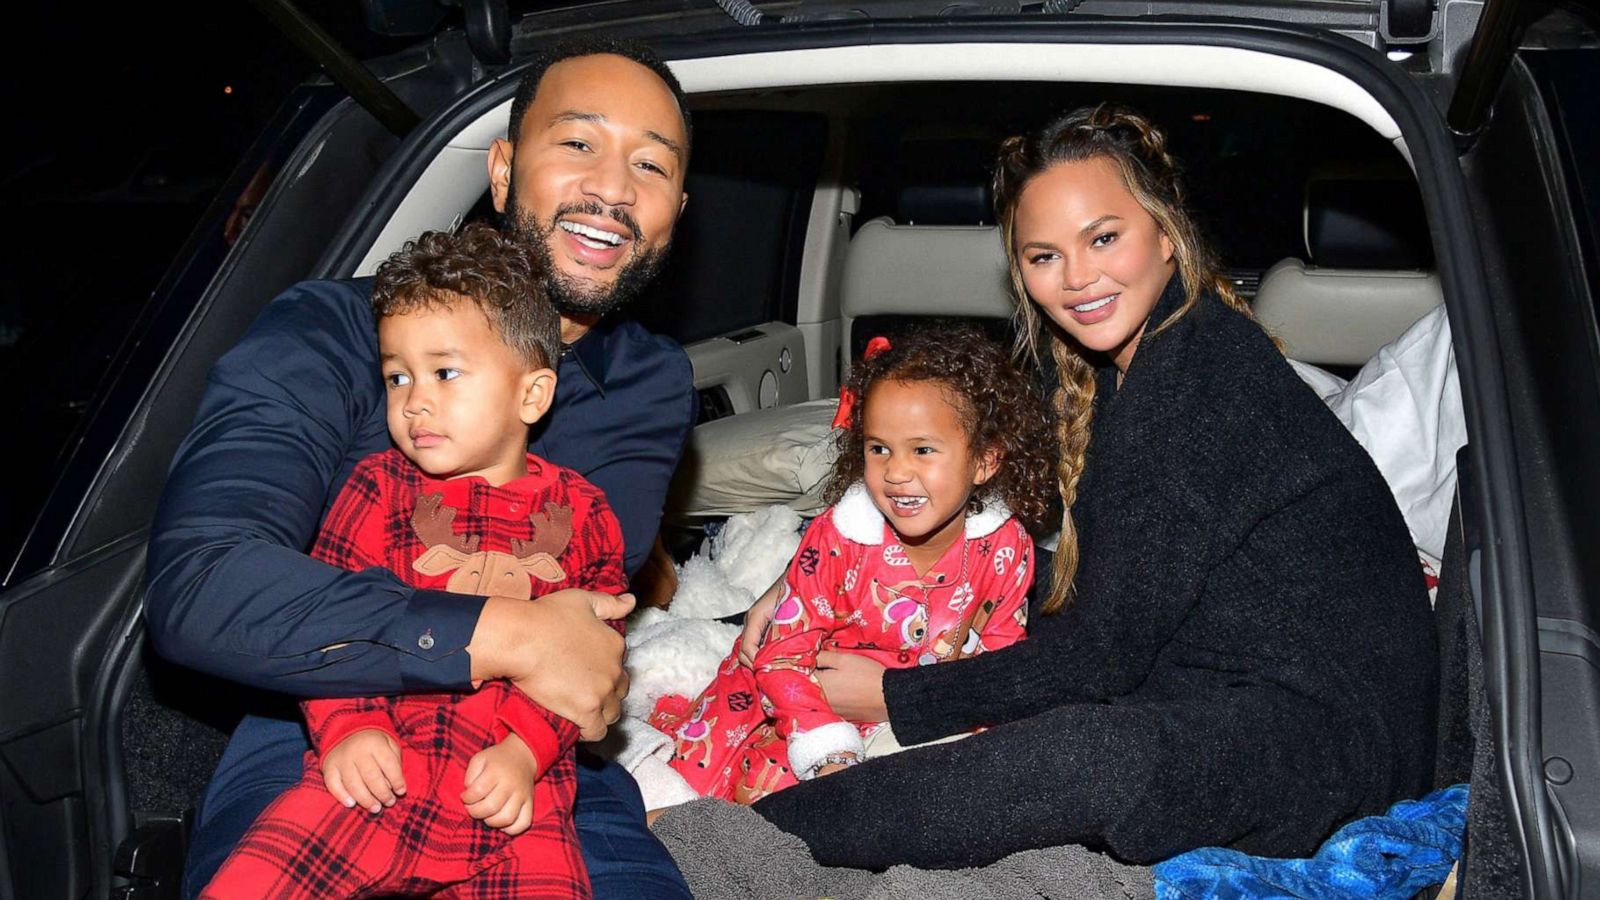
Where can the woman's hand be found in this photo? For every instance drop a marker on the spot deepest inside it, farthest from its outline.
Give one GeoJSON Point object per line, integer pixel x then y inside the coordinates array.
{"type": "Point", "coordinates": [756, 622]}
{"type": "Point", "coordinates": [853, 685]}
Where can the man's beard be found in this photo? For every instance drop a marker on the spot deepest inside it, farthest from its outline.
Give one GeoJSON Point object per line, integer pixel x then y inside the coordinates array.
{"type": "Point", "coordinates": [576, 296]}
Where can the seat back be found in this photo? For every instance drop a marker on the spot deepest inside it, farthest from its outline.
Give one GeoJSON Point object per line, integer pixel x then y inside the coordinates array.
{"type": "Point", "coordinates": [1368, 280]}
{"type": "Point", "coordinates": [897, 273]}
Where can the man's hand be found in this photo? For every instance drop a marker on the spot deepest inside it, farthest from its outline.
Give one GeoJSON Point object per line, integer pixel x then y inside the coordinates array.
{"type": "Point", "coordinates": [364, 769]}
{"type": "Point", "coordinates": [500, 786]}
{"type": "Point", "coordinates": [756, 622]}
{"type": "Point", "coordinates": [853, 686]}
{"type": "Point", "coordinates": [559, 651]}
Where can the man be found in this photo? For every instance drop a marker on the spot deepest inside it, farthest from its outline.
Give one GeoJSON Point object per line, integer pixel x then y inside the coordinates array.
{"type": "Point", "coordinates": [591, 179]}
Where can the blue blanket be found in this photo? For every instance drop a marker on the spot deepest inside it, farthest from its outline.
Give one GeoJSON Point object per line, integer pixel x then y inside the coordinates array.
{"type": "Point", "coordinates": [1390, 856]}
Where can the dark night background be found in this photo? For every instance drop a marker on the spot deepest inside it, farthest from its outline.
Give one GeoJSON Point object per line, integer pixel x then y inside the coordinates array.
{"type": "Point", "coordinates": [126, 120]}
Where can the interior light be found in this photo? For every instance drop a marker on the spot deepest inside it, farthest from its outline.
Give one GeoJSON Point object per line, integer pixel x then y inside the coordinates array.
{"type": "Point", "coordinates": [1400, 55]}
{"type": "Point", "coordinates": [1201, 117]}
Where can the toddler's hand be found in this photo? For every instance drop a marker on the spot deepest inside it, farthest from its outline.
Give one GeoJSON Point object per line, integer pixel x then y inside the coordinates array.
{"type": "Point", "coordinates": [364, 769]}
{"type": "Point", "coordinates": [500, 785]}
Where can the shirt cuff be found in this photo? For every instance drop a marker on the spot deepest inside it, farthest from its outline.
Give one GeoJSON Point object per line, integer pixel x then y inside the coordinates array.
{"type": "Point", "coordinates": [809, 750]}
{"type": "Point", "coordinates": [341, 727]}
{"type": "Point", "coordinates": [543, 742]}
{"type": "Point", "coordinates": [432, 636]}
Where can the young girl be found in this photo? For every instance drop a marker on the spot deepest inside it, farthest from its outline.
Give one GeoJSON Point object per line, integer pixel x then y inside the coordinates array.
{"type": "Point", "coordinates": [923, 557]}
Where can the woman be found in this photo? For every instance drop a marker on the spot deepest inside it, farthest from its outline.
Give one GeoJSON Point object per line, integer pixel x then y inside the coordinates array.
{"type": "Point", "coordinates": [1236, 647]}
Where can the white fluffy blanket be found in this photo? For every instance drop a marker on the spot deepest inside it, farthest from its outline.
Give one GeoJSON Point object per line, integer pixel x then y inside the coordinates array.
{"type": "Point", "coordinates": [676, 651]}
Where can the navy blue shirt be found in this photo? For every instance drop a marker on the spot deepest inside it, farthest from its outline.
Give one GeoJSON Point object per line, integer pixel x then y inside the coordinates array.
{"type": "Point", "coordinates": [286, 415]}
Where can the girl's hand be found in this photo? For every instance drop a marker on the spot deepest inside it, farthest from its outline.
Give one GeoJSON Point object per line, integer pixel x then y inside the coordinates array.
{"type": "Point", "coordinates": [756, 622]}
{"type": "Point", "coordinates": [500, 786]}
{"type": "Point", "coordinates": [853, 686]}
{"type": "Point", "coordinates": [364, 770]}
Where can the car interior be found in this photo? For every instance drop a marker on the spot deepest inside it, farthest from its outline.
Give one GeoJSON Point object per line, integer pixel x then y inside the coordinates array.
{"type": "Point", "coordinates": [820, 216]}
{"type": "Point", "coordinates": [834, 194]}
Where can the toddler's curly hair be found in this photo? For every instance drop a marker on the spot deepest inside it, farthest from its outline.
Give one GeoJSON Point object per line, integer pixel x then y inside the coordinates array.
{"type": "Point", "coordinates": [996, 402]}
{"type": "Point", "coordinates": [492, 269]}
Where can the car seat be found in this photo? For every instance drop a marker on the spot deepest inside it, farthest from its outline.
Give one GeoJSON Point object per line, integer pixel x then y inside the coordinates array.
{"type": "Point", "coordinates": [1369, 276]}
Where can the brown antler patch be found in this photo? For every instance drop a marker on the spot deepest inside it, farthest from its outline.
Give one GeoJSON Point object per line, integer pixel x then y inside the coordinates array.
{"type": "Point", "coordinates": [552, 531]}
{"type": "Point", "coordinates": [432, 521]}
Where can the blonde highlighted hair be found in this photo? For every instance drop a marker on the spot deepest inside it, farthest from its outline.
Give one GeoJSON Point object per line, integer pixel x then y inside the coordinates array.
{"type": "Point", "coordinates": [1138, 150]}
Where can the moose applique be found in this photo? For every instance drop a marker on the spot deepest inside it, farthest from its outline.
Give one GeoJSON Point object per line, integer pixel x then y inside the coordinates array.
{"type": "Point", "coordinates": [491, 572]}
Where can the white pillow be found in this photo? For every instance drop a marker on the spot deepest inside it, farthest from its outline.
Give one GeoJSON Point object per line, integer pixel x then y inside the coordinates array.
{"type": "Point", "coordinates": [746, 462]}
{"type": "Point", "coordinates": [1404, 407]}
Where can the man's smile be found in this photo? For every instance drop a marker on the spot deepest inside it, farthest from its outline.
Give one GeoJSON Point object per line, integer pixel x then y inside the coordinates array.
{"type": "Point", "coordinates": [590, 236]}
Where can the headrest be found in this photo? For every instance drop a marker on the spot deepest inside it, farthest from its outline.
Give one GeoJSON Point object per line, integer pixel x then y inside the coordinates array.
{"type": "Point", "coordinates": [947, 270]}
{"type": "Point", "coordinates": [1366, 224]}
{"type": "Point", "coordinates": [947, 204]}
{"type": "Point", "coordinates": [945, 180]}
{"type": "Point", "coordinates": [1341, 317]}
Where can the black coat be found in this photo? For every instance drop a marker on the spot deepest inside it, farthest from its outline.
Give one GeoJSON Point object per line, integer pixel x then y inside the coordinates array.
{"type": "Point", "coordinates": [1250, 662]}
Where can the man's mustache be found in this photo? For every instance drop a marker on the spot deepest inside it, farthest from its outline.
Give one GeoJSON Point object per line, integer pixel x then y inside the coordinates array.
{"type": "Point", "coordinates": [591, 208]}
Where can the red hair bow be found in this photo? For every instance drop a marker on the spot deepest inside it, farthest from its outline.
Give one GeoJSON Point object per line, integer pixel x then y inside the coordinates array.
{"type": "Point", "coordinates": [847, 397]}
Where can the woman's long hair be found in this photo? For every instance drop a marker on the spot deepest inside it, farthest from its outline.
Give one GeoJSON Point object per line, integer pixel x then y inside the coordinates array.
{"type": "Point", "coordinates": [1138, 149]}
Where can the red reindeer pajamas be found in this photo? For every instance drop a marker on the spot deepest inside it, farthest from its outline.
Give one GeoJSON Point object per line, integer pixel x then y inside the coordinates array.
{"type": "Point", "coordinates": [546, 531]}
{"type": "Point", "coordinates": [849, 588]}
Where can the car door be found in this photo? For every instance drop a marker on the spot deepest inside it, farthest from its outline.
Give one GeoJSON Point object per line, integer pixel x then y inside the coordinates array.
{"type": "Point", "coordinates": [99, 739]}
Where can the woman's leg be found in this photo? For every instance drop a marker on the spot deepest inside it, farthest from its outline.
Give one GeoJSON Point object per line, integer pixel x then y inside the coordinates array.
{"type": "Point", "coordinates": [1259, 770]}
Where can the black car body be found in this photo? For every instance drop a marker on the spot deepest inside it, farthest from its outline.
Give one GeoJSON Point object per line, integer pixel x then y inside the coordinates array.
{"type": "Point", "coordinates": [105, 746]}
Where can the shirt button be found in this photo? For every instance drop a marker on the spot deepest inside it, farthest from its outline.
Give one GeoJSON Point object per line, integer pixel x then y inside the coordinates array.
{"type": "Point", "coordinates": [426, 641]}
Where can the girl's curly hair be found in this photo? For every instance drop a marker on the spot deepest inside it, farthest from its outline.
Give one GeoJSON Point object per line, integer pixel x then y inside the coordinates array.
{"type": "Point", "coordinates": [996, 402]}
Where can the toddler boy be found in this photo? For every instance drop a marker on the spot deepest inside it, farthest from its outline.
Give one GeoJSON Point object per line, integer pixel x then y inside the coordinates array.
{"type": "Point", "coordinates": [456, 794]}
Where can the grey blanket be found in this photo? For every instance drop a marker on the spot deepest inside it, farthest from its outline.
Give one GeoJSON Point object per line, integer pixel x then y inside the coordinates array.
{"type": "Point", "coordinates": [728, 852]}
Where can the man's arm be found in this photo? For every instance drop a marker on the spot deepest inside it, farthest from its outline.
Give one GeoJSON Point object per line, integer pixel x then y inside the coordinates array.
{"type": "Point", "coordinates": [231, 589]}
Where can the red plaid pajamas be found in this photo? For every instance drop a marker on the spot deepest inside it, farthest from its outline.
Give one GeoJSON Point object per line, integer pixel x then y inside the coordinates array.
{"type": "Point", "coordinates": [850, 588]}
{"type": "Point", "coordinates": [428, 531]}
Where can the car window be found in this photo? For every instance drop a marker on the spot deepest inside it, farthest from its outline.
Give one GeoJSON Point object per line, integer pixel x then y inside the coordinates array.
{"type": "Point", "coordinates": [1248, 156]}
{"type": "Point", "coordinates": [1567, 79]}
{"type": "Point", "coordinates": [735, 258]}
{"type": "Point", "coordinates": [80, 317]}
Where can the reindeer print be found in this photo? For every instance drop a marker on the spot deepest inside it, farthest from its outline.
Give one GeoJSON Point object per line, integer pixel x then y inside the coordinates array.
{"type": "Point", "coordinates": [849, 596]}
{"type": "Point", "coordinates": [899, 613]}
{"type": "Point", "coordinates": [760, 771]}
{"type": "Point", "coordinates": [491, 572]}
{"type": "Point", "coordinates": [694, 735]}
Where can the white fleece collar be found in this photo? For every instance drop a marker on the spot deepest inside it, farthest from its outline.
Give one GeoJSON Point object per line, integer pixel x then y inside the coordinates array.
{"type": "Point", "coordinates": [860, 520]}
